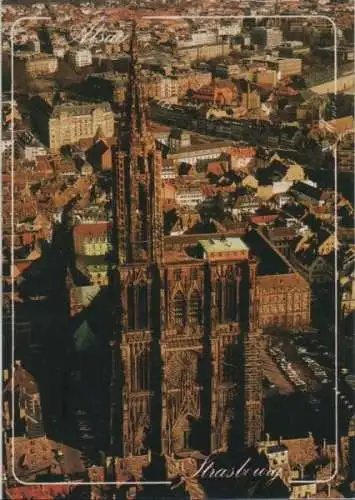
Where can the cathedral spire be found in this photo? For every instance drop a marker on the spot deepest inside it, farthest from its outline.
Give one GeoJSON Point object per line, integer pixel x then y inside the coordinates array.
{"type": "Point", "coordinates": [133, 51]}
{"type": "Point", "coordinates": [137, 127]}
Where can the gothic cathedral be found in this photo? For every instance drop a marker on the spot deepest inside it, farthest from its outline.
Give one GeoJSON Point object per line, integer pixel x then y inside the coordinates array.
{"type": "Point", "coordinates": [186, 370]}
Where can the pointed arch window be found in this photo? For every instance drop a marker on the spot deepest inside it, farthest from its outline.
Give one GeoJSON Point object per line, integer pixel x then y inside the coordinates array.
{"type": "Point", "coordinates": [186, 439]}
{"type": "Point", "coordinates": [179, 309]}
{"type": "Point", "coordinates": [142, 311]}
{"type": "Point", "coordinates": [226, 300]}
{"type": "Point", "coordinates": [131, 307]}
{"type": "Point", "coordinates": [195, 309]}
{"type": "Point", "coordinates": [219, 301]}
{"type": "Point", "coordinates": [141, 164]}
{"type": "Point", "coordinates": [229, 361]}
{"type": "Point", "coordinates": [142, 381]}
{"type": "Point", "coordinates": [231, 300]}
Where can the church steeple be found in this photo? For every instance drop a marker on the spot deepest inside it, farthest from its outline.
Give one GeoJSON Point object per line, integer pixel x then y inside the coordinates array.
{"type": "Point", "coordinates": [137, 166]}
{"type": "Point", "coordinates": [138, 134]}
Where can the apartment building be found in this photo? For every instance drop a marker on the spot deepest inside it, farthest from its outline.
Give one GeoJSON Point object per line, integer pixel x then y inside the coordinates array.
{"type": "Point", "coordinates": [189, 195]}
{"type": "Point", "coordinates": [34, 45]}
{"type": "Point", "coordinates": [59, 51]}
{"type": "Point", "coordinates": [68, 123]}
{"type": "Point", "coordinates": [232, 29]}
{"type": "Point", "coordinates": [6, 145]}
{"type": "Point", "coordinates": [200, 152]}
{"type": "Point", "coordinates": [283, 66]}
{"type": "Point", "coordinates": [71, 122]}
{"type": "Point", "coordinates": [112, 86]}
{"type": "Point", "coordinates": [207, 51]}
{"type": "Point", "coordinates": [265, 77]}
{"type": "Point", "coordinates": [80, 58]}
{"type": "Point", "coordinates": [193, 80]}
{"type": "Point", "coordinates": [92, 239]}
{"type": "Point", "coordinates": [201, 37]}
{"type": "Point", "coordinates": [266, 37]}
{"type": "Point", "coordinates": [28, 147]}
{"type": "Point", "coordinates": [35, 63]}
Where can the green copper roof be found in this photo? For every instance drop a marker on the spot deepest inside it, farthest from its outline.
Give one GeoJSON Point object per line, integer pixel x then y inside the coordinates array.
{"type": "Point", "coordinates": [84, 337]}
{"type": "Point", "coordinates": [223, 245]}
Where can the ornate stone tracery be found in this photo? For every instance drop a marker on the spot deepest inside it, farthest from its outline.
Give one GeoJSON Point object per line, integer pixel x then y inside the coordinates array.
{"type": "Point", "coordinates": [177, 321]}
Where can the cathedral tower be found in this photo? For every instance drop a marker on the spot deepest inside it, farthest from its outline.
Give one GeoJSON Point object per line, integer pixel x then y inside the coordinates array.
{"type": "Point", "coordinates": [137, 165]}
{"type": "Point", "coordinates": [180, 316]}
{"type": "Point", "coordinates": [138, 246]}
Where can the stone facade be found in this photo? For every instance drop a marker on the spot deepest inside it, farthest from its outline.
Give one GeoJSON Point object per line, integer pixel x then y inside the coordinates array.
{"type": "Point", "coordinates": [67, 124]}
{"type": "Point", "coordinates": [35, 64]}
{"type": "Point", "coordinates": [283, 301]}
{"type": "Point", "coordinates": [185, 372]}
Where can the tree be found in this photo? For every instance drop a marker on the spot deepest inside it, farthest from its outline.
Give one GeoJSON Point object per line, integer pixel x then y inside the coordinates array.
{"type": "Point", "coordinates": [297, 82]}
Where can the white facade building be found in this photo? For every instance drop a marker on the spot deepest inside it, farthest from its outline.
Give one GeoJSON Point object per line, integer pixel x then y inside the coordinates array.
{"type": "Point", "coordinates": [28, 147]}
{"type": "Point", "coordinates": [168, 171]}
{"type": "Point", "coordinates": [168, 87]}
{"type": "Point", "coordinates": [59, 51]}
{"type": "Point", "coordinates": [199, 38]}
{"type": "Point", "coordinates": [231, 29]}
{"type": "Point", "coordinates": [273, 37]}
{"type": "Point", "coordinates": [34, 45]}
{"type": "Point", "coordinates": [80, 58]}
{"type": "Point", "coordinates": [6, 146]}
{"type": "Point", "coordinates": [189, 196]}
{"type": "Point", "coordinates": [98, 245]}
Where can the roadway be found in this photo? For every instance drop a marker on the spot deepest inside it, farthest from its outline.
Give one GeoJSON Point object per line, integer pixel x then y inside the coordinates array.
{"type": "Point", "coordinates": [274, 375]}
{"type": "Point", "coordinates": [345, 83]}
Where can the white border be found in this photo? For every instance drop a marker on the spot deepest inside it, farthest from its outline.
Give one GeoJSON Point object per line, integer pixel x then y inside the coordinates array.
{"type": "Point", "coordinates": [90, 483]}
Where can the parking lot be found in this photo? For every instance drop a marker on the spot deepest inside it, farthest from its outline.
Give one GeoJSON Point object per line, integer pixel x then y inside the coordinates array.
{"type": "Point", "coordinates": [277, 381]}
{"type": "Point", "coordinates": [309, 367]}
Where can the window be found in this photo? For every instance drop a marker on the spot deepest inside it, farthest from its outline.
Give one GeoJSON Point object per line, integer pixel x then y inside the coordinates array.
{"type": "Point", "coordinates": [195, 308]}
{"type": "Point", "coordinates": [179, 309]}
{"type": "Point", "coordinates": [228, 363]}
{"type": "Point", "coordinates": [130, 307]}
{"type": "Point", "coordinates": [219, 301]}
{"type": "Point", "coordinates": [142, 371]}
{"type": "Point", "coordinates": [177, 275]}
{"type": "Point", "coordinates": [194, 274]}
{"type": "Point", "coordinates": [142, 306]}
{"type": "Point", "coordinates": [186, 439]}
{"type": "Point", "coordinates": [231, 301]}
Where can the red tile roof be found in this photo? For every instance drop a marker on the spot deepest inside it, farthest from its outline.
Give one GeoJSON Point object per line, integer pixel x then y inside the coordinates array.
{"type": "Point", "coordinates": [42, 491]}
{"type": "Point", "coordinates": [215, 168]}
{"type": "Point", "coordinates": [301, 451]}
{"type": "Point", "coordinates": [94, 229]}
{"type": "Point", "coordinates": [243, 152]}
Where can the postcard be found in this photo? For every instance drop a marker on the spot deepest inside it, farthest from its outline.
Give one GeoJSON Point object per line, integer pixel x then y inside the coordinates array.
{"type": "Point", "coordinates": [178, 249]}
